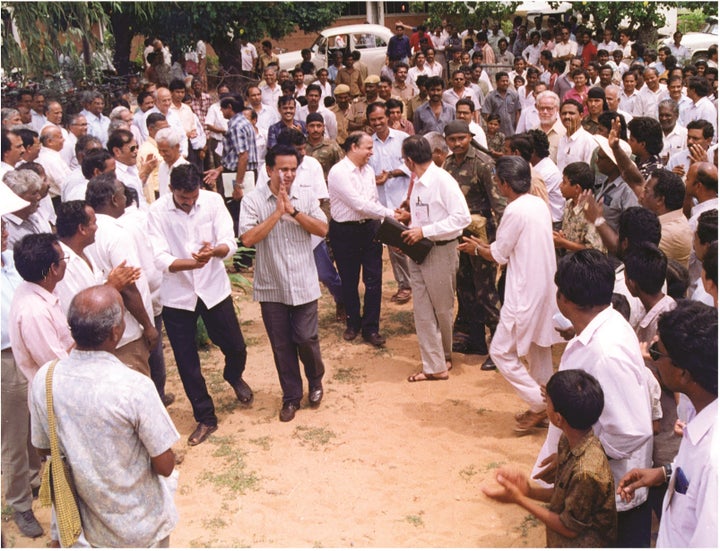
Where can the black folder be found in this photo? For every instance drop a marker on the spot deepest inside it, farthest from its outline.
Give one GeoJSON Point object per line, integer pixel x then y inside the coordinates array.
{"type": "Point", "coordinates": [390, 233]}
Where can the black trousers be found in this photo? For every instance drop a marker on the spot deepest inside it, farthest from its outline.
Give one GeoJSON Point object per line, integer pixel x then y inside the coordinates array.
{"type": "Point", "coordinates": [293, 334]}
{"type": "Point", "coordinates": [224, 331]}
{"type": "Point", "coordinates": [354, 248]}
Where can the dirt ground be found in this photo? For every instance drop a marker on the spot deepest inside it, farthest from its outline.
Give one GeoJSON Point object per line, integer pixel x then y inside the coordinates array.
{"type": "Point", "coordinates": [381, 463]}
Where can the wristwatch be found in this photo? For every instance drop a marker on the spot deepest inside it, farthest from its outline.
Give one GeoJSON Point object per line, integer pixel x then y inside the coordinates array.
{"type": "Point", "coordinates": [667, 469]}
{"type": "Point", "coordinates": [599, 221]}
{"type": "Point", "coordinates": [294, 213]}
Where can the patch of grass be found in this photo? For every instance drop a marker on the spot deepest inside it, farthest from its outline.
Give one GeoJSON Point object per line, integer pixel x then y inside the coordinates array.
{"type": "Point", "coordinates": [494, 465]}
{"type": "Point", "coordinates": [347, 375]}
{"type": "Point", "coordinates": [468, 472]}
{"type": "Point", "coordinates": [227, 405]}
{"type": "Point", "coordinates": [415, 520]}
{"type": "Point", "coordinates": [214, 380]}
{"type": "Point", "coordinates": [201, 543]}
{"type": "Point", "coordinates": [233, 475]}
{"type": "Point", "coordinates": [184, 490]}
{"type": "Point", "coordinates": [315, 437]}
{"type": "Point", "coordinates": [399, 322]}
{"type": "Point", "coordinates": [527, 523]}
{"type": "Point", "coordinates": [262, 442]}
{"type": "Point", "coordinates": [481, 411]}
{"type": "Point", "coordinates": [7, 512]}
{"type": "Point", "coordinates": [214, 523]}
{"type": "Point", "coordinates": [252, 341]}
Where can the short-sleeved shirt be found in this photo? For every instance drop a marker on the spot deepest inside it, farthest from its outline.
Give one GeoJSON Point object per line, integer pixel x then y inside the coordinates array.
{"type": "Point", "coordinates": [577, 229]}
{"type": "Point", "coordinates": [285, 270]}
{"type": "Point", "coordinates": [584, 495]}
{"type": "Point", "coordinates": [505, 107]}
{"type": "Point", "coordinates": [424, 119]}
{"type": "Point", "coordinates": [240, 137]}
{"type": "Point", "coordinates": [99, 404]}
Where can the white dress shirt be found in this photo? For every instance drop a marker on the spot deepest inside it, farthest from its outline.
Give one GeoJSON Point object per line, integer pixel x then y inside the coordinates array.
{"type": "Point", "coordinates": [176, 235]}
{"type": "Point", "coordinates": [79, 275]}
{"type": "Point", "coordinates": [578, 147]}
{"type": "Point", "coordinates": [68, 151]}
{"type": "Point", "coordinates": [112, 247]}
{"type": "Point", "coordinates": [674, 142]}
{"type": "Point", "coordinates": [74, 187]}
{"type": "Point", "coordinates": [353, 193]}
{"type": "Point", "coordinates": [164, 175]}
{"type": "Point", "coordinates": [703, 109]}
{"type": "Point", "coordinates": [552, 176]}
{"type": "Point", "coordinates": [97, 126]}
{"type": "Point", "coordinates": [215, 118]}
{"type": "Point", "coordinates": [135, 223]}
{"type": "Point", "coordinates": [438, 206]}
{"type": "Point", "coordinates": [608, 349]}
{"type": "Point", "coordinates": [270, 96]}
{"type": "Point", "coordinates": [690, 519]}
{"type": "Point", "coordinates": [267, 116]}
{"type": "Point", "coordinates": [129, 176]}
{"type": "Point", "coordinates": [56, 169]}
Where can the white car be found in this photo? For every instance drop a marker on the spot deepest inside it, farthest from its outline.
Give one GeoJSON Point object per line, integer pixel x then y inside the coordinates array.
{"type": "Point", "coordinates": [370, 40]}
{"type": "Point", "coordinates": [699, 42]}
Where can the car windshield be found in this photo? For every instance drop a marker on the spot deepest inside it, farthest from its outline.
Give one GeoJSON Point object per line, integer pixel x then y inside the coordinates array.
{"type": "Point", "coordinates": [710, 28]}
{"type": "Point", "coordinates": [364, 40]}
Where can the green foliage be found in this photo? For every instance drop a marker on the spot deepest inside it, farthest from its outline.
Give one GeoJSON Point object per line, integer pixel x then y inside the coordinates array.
{"type": "Point", "coordinates": [691, 21]}
{"type": "Point", "coordinates": [46, 30]}
{"type": "Point", "coordinates": [464, 14]}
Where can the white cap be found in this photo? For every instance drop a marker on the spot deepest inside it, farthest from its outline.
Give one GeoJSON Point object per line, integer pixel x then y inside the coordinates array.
{"type": "Point", "coordinates": [9, 202]}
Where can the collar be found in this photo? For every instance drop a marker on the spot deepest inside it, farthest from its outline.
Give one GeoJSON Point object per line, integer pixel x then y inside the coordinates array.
{"type": "Point", "coordinates": [702, 423]}
{"type": "Point", "coordinates": [705, 205]}
{"type": "Point", "coordinates": [41, 292]}
{"type": "Point", "coordinates": [587, 333]}
{"type": "Point", "coordinates": [671, 216]}
{"type": "Point", "coordinates": [581, 446]}
{"type": "Point", "coordinates": [661, 306]}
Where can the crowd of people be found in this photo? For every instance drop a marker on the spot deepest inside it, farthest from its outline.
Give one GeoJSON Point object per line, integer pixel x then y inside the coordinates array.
{"type": "Point", "coordinates": [563, 185]}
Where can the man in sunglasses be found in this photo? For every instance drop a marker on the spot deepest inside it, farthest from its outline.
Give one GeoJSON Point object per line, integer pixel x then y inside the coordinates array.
{"type": "Point", "coordinates": [686, 356]}
{"type": "Point", "coordinates": [605, 346]}
{"type": "Point", "coordinates": [124, 148]}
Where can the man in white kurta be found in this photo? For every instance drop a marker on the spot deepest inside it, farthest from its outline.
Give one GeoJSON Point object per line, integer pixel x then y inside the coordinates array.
{"type": "Point", "coordinates": [524, 243]}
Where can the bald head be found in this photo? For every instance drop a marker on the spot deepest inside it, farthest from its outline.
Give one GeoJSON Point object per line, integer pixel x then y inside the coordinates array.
{"type": "Point", "coordinates": [95, 317]}
{"type": "Point", "coordinates": [702, 181]}
{"type": "Point", "coordinates": [52, 138]}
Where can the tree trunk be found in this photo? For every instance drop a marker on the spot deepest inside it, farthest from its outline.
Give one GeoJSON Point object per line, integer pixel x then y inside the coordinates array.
{"type": "Point", "coordinates": [121, 23]}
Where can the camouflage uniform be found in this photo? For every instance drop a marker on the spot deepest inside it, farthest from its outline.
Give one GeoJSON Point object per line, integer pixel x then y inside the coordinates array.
{"type": "Point", "coordinates": [327, 153]}
{"type": "Point", "coordinates": [478, 299]}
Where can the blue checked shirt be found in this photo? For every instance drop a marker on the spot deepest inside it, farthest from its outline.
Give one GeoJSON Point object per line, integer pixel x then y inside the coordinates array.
{"type": "Point", "coordinates": [240, 137]}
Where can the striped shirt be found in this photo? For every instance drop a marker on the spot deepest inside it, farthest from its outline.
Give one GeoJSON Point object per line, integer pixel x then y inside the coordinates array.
{"type": "Point", "coordinates": [285, 269]}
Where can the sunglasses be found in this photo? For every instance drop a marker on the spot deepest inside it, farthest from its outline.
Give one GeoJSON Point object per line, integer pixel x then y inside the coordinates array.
{"type": "Point", "coordinates": [655, 353]}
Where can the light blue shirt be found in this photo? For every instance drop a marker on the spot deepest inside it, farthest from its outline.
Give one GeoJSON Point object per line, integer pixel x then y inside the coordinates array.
{"type": "Point", "coordinates": [10, 281]}
{"type": "Point", "coordinates": [387, 156]}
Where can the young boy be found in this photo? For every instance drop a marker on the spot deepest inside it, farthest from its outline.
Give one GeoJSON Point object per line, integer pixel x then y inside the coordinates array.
{"type": "Point", "coordinates": [581, 511]}
{"type": "Point", "coordinates": [576, 233]}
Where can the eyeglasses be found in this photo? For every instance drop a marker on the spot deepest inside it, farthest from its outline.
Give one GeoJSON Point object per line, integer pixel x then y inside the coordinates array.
{"type": "Point", "coordinates": [655, 353]}
{"type": "Point", "coordinates": [133, 148]}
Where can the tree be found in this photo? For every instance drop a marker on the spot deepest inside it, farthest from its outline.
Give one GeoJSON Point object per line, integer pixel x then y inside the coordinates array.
{"type": "Point", "coordinates": [645, 18]}
{"type": "Point", "coordinates": [46, 30]}
{"type": "Point", "coordinates": [180, 25]}
{"type": "Point", "coordinates": [465, 14]}
{"type": "Point", "coordinates": [45, 27]}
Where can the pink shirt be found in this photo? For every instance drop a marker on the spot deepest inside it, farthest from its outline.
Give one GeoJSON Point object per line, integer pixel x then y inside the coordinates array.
{"type": "Point", "coordinates": [39, 331]}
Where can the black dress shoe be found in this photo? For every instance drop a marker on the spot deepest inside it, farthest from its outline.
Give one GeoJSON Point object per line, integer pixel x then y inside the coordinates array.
{"type": "Point", "coordinates": [201, 433]}
{"type": "Point", "coordinates": [465, 347]}
{"type": "Point", "coordinates": [315, 396]}
{"type": "Point", "coordinates": [243, 392]}
{"type": "Point", "coordinates": [488, 365]}
{"type": "Point", "coordinates": [287, 413]}
{"type": "Point", "coordinates": [350, 334]}
{"type": "Point", "coordinates": [376, 339]}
